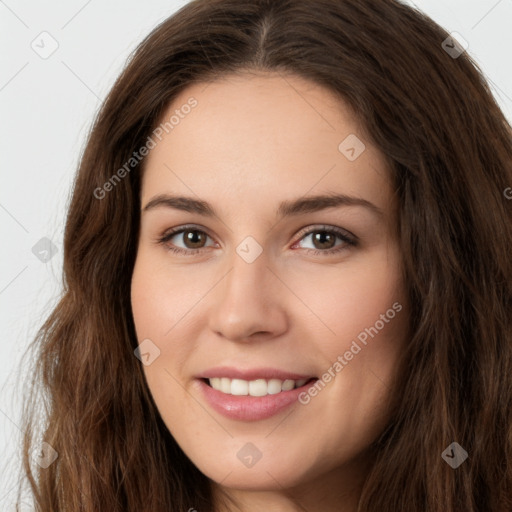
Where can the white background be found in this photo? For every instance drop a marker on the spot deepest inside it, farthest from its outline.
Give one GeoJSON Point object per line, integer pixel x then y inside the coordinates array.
{"type": "Point", "coordinates": [46, 108]}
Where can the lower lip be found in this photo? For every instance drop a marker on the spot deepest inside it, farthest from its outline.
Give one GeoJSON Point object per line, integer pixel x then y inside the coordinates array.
{"type": "Point", "coordinates": [250, 408]}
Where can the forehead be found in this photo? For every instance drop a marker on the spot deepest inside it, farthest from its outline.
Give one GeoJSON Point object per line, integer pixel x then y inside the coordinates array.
{"type": "Point", "coordinates": [259, 137]}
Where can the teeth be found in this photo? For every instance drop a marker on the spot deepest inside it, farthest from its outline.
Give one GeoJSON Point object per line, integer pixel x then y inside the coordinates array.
{"type": "Point", "coordinates": [259, 387]}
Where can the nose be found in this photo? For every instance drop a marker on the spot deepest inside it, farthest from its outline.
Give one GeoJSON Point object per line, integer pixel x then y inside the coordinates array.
{"type": "Point", "coordinates": [250, 302]}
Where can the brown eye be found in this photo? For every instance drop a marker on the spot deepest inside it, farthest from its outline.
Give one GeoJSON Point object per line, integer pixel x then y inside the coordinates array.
{"type": "Point", "coordinates": [193, 238]}
{"type": "Point", "coordinates": [324, 240]}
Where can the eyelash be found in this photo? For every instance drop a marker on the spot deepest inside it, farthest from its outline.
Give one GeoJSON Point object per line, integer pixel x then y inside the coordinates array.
{"type": "Point", "coordinates": [348, 240]}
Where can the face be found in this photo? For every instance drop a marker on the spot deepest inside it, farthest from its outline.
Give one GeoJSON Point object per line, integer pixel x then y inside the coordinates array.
{"type": "Point", "coordinates": [252, 283]}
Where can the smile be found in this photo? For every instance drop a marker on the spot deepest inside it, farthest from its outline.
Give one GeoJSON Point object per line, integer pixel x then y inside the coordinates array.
{"type": "Point", "coordinates": [258, 387]}
{"type": "Point", "coordinates": [251, 400]}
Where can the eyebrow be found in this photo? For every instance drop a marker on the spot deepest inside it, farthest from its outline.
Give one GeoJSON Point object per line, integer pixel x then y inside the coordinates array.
{"type": "Point", "coordinates": [287, 208]}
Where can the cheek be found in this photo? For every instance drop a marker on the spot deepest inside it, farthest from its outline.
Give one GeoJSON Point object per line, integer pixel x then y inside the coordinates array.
{"type": "Point", "coordinates": [156, 309]}
{"type": "Point", "coordinates": [161, 299]}
{"type": "Point", "coordinates": [363, 300]}
{"type": "Point", "coordinates": [164, 307]}
{"type": "Point", "coordinates": [367, 314]}
{"type": "Point", "coordinates": [364, 321]}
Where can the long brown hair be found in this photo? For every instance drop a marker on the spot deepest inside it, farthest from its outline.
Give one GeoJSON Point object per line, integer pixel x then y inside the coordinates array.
{"type": "Point", "coordinates": [450, 149]}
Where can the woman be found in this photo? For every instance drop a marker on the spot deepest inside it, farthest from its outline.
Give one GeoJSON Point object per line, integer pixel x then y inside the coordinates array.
{"type": "Point", "coordinates": [247, 370]}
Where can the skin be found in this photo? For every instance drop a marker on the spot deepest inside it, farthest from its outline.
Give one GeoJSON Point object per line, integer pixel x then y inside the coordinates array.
{"type": "Point", "coordinates": [253, 141]}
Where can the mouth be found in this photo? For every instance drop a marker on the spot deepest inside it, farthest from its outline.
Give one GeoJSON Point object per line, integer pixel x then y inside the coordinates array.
{"type": "Point", "coordinates": [257, 387]}
{"type": "Point", "coordinates": [252, 400]}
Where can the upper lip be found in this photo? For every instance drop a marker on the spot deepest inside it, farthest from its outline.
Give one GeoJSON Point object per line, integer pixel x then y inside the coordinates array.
{"type": "Point", "coordinates": [251, 374]}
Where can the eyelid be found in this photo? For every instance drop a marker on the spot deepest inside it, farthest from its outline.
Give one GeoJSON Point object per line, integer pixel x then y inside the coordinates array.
{"type": "Point", "coordinates": [348, 238]}
{"type": "Point", "coordinates": [325, 227]}
{"type": "Point", "coordinates": [169, 233]}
